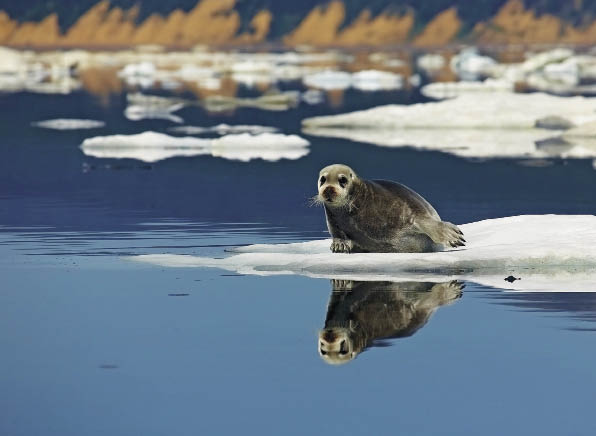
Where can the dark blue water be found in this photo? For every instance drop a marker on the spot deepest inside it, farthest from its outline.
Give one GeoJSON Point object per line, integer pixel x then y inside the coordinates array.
{"type": "Point", "coordinates": [93, 344]}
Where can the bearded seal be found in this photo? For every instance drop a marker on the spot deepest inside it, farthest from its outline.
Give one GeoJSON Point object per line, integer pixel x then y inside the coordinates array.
{"type": "Point", "coordinates": [367, 314]}
{"type": "Point", "coordinates": [380, 216]}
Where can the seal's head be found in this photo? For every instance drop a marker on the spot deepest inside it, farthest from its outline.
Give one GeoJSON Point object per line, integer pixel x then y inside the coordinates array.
{"type": "Point", "coordinates": [335, 183]}
{"type": "Point", "coordinates": [336, 345]}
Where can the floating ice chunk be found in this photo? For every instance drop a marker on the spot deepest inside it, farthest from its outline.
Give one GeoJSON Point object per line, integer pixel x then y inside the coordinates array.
{"type": "Point", "coordinates": [153, 146]}
{"type": "Point", "coordinates": [253, 79]}
{"type": "Point", "coordinates": [313, 97]}
{"type": "Point", "coordinates": [69, 124]}
{"type": "Point", "coordinates": [139, 74]}
{"type": "Point", "coordinates": [470, 65]}
{"type": "Point", "coordinates": [566, 72]}
{"type": "Point", "coordinates": [329, 80]}
{"type": "Point", "coordinates": [143, 106]}
{"type": "Point", "coordinates": [386, 59]}
{"type": "Point", "coordinates": [478, 111]}
{"type": "Point", "coordinates": [441, 90]}
{"type": "Point", "coordinates": [415, 80]}
{"type": "Point", "coordinates": [271, 102]}
{"type": "Point", "coordinates": [430, 62]}
{"type": "Point", "coordinates": [222, 129]}
{"type": "Point", "coordinates": [538, 61]}
{"type": "Point", "coordinates": [137, 112]}
{"type": "Point", "coordinates": [466, 143]}
{"type": "Point", "coordinates": [523, 246]}
{"type": "Point", "coordinates": [267, 146]}
{"type": "Point", "coordinates": [13, 61]}
{"type": "Point", "coordinates": [251, 66]}
{"type": "Point", "coordinates": [365, 80]}
{"type": "Point", "coordinates": [154, 101]}
{"type": "Point", "coordinates": [189, 73]}
{"type": "Point", "coordinates": [374, 80]}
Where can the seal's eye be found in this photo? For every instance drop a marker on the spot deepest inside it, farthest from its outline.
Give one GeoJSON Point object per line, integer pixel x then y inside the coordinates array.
{"type": "Point", "coordinates": [323, 180]}
{"type": "Point", "coordinates": [343, 348]}
{"type": "Point", "coordinates": [343, 181]}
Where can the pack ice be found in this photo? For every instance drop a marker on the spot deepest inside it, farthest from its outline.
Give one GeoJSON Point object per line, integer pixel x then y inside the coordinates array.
{"type": "Point", "coordinates": [481, 125]}
{"type": "Point", "coordinates": [545, 252]}
{"type": "Point", "coordinates": [153, 146]}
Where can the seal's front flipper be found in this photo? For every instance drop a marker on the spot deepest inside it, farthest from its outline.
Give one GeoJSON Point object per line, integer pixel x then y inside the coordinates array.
{"type": "Point", "coordinates": [341, 245]}
{"type": "Point", "coordinates": [441, 232]}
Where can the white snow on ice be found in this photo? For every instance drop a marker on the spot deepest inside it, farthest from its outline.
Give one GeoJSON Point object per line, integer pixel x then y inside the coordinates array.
{"type": "Point", "coordinates": [153, 146]}
{"type": "Point", "coordinates": [500, 110]}
{"type": "Point", "coordinates": [470, 143]}
{"type": "Point", "coordinates": [477, 125]}
{"type": "Point", "coordinates": [365, 80]}
{"type": "Point", "coordinates": [69, 124]}
{"type": "Point", "coordinates": [548, 252]}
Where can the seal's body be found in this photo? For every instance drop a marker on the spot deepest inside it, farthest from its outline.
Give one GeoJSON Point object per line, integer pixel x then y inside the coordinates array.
{"type": "Point", "coordinates": [380, 216]}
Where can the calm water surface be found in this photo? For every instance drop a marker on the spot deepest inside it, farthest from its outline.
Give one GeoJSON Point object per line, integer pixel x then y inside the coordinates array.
{"type": "Point", "coordinates": [93, 344]}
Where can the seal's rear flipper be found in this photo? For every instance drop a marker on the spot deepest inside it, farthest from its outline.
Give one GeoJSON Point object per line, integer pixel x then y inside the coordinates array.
{"type": "Point", "coordinates": [441, 232]}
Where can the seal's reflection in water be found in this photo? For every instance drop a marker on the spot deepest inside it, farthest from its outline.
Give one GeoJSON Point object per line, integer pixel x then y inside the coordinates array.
{"type": "Point", "coordinates": [360, 314]}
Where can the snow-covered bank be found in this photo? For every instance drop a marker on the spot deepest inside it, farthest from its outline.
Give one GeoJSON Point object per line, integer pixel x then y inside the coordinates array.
{"type": "Point", "coordinates": [153, 146]}
{"type": "Point", "coordinates": [548, 253]}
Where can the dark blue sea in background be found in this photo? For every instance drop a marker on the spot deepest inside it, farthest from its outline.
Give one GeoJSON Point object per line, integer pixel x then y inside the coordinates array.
{"type": "Point", "coordinates": [93, 344]}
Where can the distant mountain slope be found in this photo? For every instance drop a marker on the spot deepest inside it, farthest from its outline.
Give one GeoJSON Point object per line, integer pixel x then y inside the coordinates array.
{"type": "Point", "coordinates": [316, 22]}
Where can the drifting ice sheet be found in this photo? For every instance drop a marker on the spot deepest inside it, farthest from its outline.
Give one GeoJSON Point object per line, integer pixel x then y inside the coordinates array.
{"type": "Point", "coordinates": [69, 124]}
{"type": "Point", "coordinates": [548, 252]}
{"type": "Point", "coordinates": [501, 110]}
{"type": "Point", "coordinates": [153, 146]}
{"type": "Point", "coordinates": [472, 143]}
{"type": "Point", "coordinates": [222, 129]}
{"type": "Point", "coordinates": [474, 126]}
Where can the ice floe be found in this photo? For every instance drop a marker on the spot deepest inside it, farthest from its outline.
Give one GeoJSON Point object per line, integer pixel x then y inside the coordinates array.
{"type": "Point", "coordinates": [430, 62]}
{"type": "Point", "coordinates": [470, 65]}
{"type": "Point", "coordinates": [223, 129]}
{"type": "Point", "coordinates": [69, 124]}
{"type": "Point", "coordinates": [139, 74]}
{"type": "Point", "coordinates": [481, 110]}
{"type": "Point", "coordinates": [441, 90]}
{"type": "Point", "coordinates": [329, 80]}
{"type": "Point", "coordinates": [365, 80]}
{"type": "Point", "coordinates": [280, 101]}
{"type": "Point", "coordinates": [136, 113]}
{"type": "Point", "coordinates": [153, 146]}
{"type": "Point", "coordinates": [557, 71]}
{"type": "Point", "coordinates": [477, 125]}
{"type": "Point", "coordinates": [143, 106]}
{"type": "Point", "coordinates": [466, 143]}
{"type": "Point", "coordinates": [547, 253]}
{"type": "Point", "coordinates": [373, 80]}
{"type": "Point", "coordinates": [313, 97]}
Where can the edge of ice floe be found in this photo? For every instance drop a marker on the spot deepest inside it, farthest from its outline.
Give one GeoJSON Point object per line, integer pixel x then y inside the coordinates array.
{"type": "Point", "coordinates": [523, 246]}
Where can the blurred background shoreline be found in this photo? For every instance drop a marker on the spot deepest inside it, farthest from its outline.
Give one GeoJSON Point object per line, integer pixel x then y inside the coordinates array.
{"type": "Point", "coordinates": [266, 24]}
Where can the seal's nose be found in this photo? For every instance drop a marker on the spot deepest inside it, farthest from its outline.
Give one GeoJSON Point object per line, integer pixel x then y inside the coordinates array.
{"type": "Point", "coordinates": [329, 192]}
{"type": "Point", "coordinates": [329, 336]}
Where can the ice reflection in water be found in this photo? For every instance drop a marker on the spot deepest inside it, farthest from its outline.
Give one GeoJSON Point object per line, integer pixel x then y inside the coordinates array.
{"type": "Point", "coordinates": [364, 314]}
